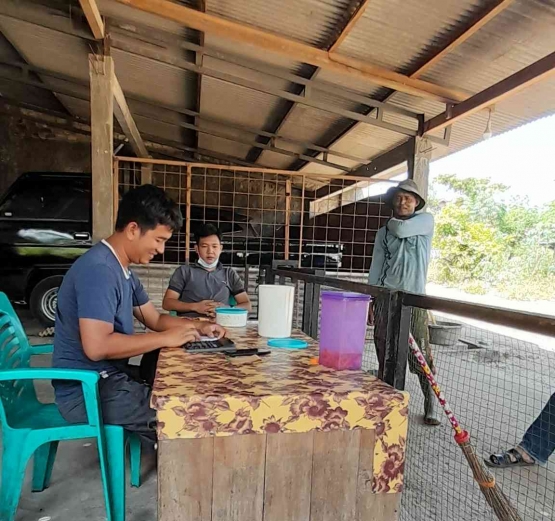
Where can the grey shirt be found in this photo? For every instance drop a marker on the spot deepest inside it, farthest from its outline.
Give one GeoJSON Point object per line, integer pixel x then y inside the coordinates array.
{"type": "Point", "coordinates": [195, 284]}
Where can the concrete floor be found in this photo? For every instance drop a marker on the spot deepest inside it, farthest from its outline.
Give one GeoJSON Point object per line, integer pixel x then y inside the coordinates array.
{"type": "Point", "coordinates": [496, 393]}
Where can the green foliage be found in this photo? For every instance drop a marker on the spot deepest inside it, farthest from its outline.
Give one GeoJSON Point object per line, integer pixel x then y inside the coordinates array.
{"type": "Point", "coordinates": [485, 243]}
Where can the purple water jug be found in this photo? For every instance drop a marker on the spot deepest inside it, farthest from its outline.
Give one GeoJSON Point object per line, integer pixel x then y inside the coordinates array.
{"type": "Point", "coordinates": [343, 329]}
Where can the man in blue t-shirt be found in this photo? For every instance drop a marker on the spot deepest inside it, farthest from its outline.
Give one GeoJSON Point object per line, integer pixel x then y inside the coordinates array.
{"type": "Point", "coordinates": [97, 301]}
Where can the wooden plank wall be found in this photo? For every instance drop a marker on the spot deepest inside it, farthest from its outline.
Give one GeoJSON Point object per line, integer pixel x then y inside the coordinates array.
{"type": "Point", "coordinates": [314, 476]}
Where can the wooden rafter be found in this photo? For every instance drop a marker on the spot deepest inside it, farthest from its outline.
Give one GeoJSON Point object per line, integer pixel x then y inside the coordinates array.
{"type": "Point", "coordinates": [350, 25]}
{"type": "Point", "coordinates": [494, 10]}
{"type": "Point", "coordinates": [498, 7]}
{"type": "Point", "coordinates": [502, 90]}
{"type": "Point", "coordinates": [121, 109]}
{"type": "Point", "coordinates": [92, 14]}
{"type": "Point", "coordinates": [126, 121]}
{"type": "Point", "coordinates": [294, 50]}
{"type": "Point", "coordinates": [358, 11]}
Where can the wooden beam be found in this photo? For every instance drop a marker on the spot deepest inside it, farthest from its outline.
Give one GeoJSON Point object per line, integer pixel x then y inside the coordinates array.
{"type": "Point", "coordinates": [356, 9]}
{"type": "Point", "coordinates": [379, 164]}
{"type": "Point", "coordinates": [350, 25]}
{"type": "Point", "coordinates": [199, 59]}
{"type": "Point", "coordinates": [126, 122]}
{"type": "Point", "coordinates": [294, 50]}
{"type": "Point", "coordinates": [502, 90]}
{"type": "Point", "coordinates": [170, 108]}
{"type": "Point", "coordinates": [498, 7]}
{"type": "Point", "coordinates": [121, 109]}
{"type": "Point", "coordinates": [92, 14]}
{"type": "Point", "coordinates": [101, 71]}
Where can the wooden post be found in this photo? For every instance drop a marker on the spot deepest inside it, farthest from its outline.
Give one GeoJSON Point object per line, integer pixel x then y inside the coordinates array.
{"type": "Point", "coordinates": [419, 164]}
{"type": "Point", "coordinates": [115, 176]}
{"type": "Point", "coordinates": [188, 215]}
{"type": "Point", "coordinates": [397, 341]}
{"type": "Point", "coordinates": [146, 173]}
{"type": "Point", "coordinates": [287, 216]}
{"type": "Point", "coordinates": [101, 70]}
{"type": "Point", "coordinates": [302, 224]}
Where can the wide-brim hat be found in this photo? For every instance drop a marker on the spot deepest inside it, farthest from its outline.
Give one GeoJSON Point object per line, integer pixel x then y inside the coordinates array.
{"type": "Point", "coordinates": [406, 186]}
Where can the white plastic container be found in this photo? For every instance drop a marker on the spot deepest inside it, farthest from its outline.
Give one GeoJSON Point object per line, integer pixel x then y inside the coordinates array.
{"type": "Point", "coordinates": [275, 310]}
{"type": "Point", "coordinates": [231, 317]}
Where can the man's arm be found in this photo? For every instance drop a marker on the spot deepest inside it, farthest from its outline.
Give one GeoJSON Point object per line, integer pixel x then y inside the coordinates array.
{"type": "Point", "coordinates": [376, 266]}
{"type": "Point", "coordinates": [243, 301]}
{"type": "Point", "coordinates": [171, 302]}
{"type": "Point", "coordinates": [419, 224]}
{"type": "Point", "coordinates": [151, 318]}
{"type": "Point", "coordinates": [237, 288]}
{"type": "Point", "coordinates": [101, 342]}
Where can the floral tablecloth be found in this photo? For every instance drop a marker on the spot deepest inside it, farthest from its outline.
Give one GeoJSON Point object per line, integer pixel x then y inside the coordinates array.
{"type": "Point", "coordinates": [200, 395]}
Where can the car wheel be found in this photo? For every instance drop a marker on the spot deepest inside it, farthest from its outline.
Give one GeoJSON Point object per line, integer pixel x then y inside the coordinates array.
{"type": "Point", "coordinates": [44, 299]}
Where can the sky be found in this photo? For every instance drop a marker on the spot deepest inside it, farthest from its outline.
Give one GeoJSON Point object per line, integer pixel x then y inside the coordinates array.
{"type": "Point", "coordinates": [523, 159]}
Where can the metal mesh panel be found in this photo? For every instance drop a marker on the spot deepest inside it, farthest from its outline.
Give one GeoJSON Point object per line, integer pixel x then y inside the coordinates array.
{"type": "Point", "coordinates": [497, 381]}
{"type": "Point", "coordinates": [266, 215]}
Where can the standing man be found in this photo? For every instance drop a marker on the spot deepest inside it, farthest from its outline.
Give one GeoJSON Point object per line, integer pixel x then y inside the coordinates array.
{"type": "Point", "coordinates": [400, 262]}
{"type": "Point", "coordinates": [97, 301]}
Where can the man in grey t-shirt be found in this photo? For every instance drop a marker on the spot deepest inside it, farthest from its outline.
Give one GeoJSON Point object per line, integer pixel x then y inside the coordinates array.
{"type": "Point", "coordinates": [196, 290]}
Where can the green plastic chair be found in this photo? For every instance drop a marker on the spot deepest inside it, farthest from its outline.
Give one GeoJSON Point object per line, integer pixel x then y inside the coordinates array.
{"type": "Point", "coordinates": [31, 428]}
{"type": "Point", "coordinates": [6, 307]}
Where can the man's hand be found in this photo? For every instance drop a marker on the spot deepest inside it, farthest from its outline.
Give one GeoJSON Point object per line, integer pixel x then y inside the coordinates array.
{"type": "Point", "coordinates": [211, 330]}
{"type": "Point", "coordinates": [179, 335]}
{"type": "Point", "coordinates": [206, 307]}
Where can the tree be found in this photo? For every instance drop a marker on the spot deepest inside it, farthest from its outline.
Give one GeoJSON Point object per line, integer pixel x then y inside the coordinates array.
{"type": "Point", "coordinates": [485, 242]}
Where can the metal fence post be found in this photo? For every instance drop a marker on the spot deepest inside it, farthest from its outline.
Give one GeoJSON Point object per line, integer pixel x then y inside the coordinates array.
{"type": "Point", "coordinates": [397, 341]}
{"type": "Point", "coordinates": [308, 301]}
{"type": "Point", "coordinates": [269, 275]}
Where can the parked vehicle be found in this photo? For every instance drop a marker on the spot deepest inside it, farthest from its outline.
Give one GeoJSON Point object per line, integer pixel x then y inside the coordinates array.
{"type": "Point", "coordinates": [46, 223]}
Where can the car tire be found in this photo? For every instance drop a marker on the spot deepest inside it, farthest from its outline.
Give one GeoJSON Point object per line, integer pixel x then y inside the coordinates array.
{"type": "Point", "coordinates": [44, 298]}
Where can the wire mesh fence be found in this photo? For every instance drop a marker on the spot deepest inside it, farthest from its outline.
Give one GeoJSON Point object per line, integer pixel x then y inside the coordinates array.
{"type": "Point", "coordinates": [497, 383]}
{"type": "Point", "coordinates": [266, 215]}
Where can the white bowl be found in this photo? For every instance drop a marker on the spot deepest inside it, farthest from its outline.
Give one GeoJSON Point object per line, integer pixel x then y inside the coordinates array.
{"type": "Point", "coordinates": [231, 317]}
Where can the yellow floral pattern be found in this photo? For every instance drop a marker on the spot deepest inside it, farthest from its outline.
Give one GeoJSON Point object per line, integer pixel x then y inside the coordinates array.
{"type": "Point", "coordinates": [199, 395]}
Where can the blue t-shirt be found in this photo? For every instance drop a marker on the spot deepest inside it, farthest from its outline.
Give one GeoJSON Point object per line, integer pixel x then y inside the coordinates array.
{"type": "Point", "coordinates": [95, 287]}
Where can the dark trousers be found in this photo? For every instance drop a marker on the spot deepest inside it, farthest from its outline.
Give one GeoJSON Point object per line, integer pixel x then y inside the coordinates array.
{"type": "Point", "coordinates": [124, 401]}
{"type": "Point", "coordinates": [539, 440]}
{"type": "Point", "coordinates": [147, 370]}
{"type": "Point", "coordinates": [418, 328]}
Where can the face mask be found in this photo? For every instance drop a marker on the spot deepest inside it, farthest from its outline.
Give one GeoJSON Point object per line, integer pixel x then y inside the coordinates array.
{"type": "Point", "coordinates": [207, 266]}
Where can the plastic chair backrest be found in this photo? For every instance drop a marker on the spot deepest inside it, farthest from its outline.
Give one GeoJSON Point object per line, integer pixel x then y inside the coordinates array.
{"type": "Point", "coordinates": [15, 395]}
{"type": "Point", "coordinates": [6, 306]}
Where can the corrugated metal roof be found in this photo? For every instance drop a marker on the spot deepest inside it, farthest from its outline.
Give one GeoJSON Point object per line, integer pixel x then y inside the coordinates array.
{"type": "Point", "coordinates": [309, 21]}
{"type": "Point", "coordinates": [396, 35]}
{"type": "Point", "coordinates": [18, 92]}
{"type": "Point", "coordinates": [155, 80]}
{"type": "Point", "coordinates": [236, 104]}
{"type": "Point", "coordinates": [132, 17]}
{"type": "Point", "coordinates": [51, 50]}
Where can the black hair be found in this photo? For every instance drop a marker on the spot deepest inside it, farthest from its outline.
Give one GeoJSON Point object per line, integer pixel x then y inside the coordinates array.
{"type": "Point", "coordinates": [206, 230]}
{"type": "Point", "coordinates": [148, 206]}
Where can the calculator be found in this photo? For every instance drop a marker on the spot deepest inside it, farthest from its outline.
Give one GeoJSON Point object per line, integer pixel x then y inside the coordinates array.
{"type": "Point", "coordinates": [223, 345]}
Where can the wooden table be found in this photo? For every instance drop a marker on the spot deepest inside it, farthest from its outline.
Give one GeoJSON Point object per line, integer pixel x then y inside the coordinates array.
{"type": "Point", "coordinates": [275, 438]}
